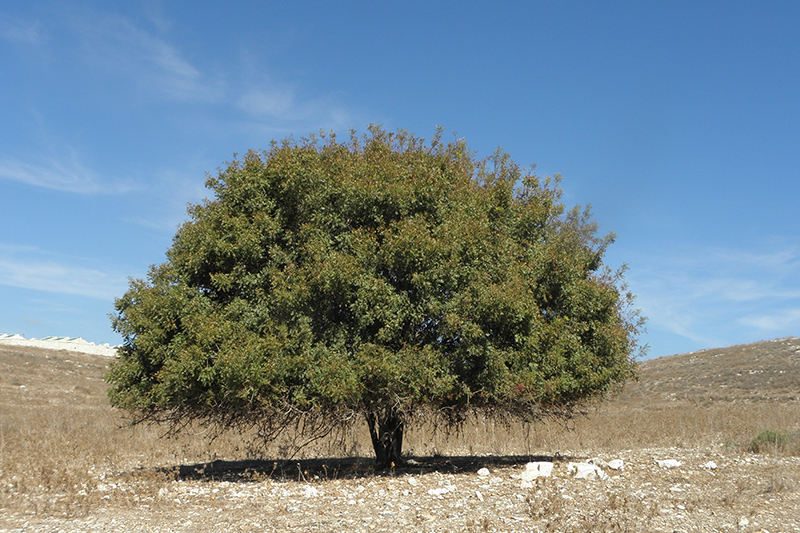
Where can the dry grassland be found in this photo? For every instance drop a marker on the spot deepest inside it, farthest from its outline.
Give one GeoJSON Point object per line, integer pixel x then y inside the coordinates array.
{"type": "Point", "coordinates": [68, 462]}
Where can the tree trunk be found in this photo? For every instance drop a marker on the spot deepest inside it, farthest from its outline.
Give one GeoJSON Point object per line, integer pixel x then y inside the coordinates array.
{"type": "Point", "coordinates": [386, 431]}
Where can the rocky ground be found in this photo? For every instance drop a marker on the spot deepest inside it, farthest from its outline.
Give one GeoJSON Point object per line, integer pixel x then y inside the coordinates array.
{"type": "Point", "coordinates": [68, 463]}
{"type": "Point", "coordinates": [709, 490]}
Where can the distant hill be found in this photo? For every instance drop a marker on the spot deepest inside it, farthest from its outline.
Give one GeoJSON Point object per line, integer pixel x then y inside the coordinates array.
{"type": "Point", "coordinates": [762, 371]}
{"type": "Point", "coordinates": [70, 344]}
{"type": "Point", "coordinates": [767, 370]}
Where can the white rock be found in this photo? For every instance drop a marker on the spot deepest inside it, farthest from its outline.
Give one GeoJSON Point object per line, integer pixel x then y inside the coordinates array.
{"type": "Point", "coordinates": [483, 472]}
{"type": "Point", "coordinates": [310, 492]}
{"type": "Point", "coordinates": [441, 491]}
{"type": "Point", "coordinates": [586, 471]}
{"type": "Point", "coordinates": [413, 481]}
{"type": "Point", "coordinates": [536, 469]}
{"type": "Point", "coordinates": [616, 464]}
{"type": "Point", "coordinates": [711, 465]}
{"type": "Point", "coordinates": [669, 463]}
{"type": "Point", "coordinates": [479, 495]}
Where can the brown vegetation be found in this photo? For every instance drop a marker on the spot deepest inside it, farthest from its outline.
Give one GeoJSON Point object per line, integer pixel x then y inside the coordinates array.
{"type": "Point", "coordinates": [67, 458]}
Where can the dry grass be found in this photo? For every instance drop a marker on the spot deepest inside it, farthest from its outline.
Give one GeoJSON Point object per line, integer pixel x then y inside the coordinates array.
{"type": "Point", "coordinates": [63, 450]}
{"type": "Point", "coordinates": [700, 399]}
{"type": "Point", "coordinates": [61, 444]}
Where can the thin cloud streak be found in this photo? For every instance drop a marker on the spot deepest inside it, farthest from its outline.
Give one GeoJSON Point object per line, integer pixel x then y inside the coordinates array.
{"type": "Point", "coordinates": [68, 176]}
{"type": "Point", "coordinates": [710, 294]}
{"type": "Point", "coordinates": [61, 278]}
{"type": "Point", "coordinates": [28, 33]}
{"type": "Point", "coordinates": [111, 45]}
{"type": "Point", "coordinates": [281, 103]}
{"type": "Point", "coordinates": [677, 317]}
{"type": "Point", "coordinates": [277, 102]}
{"type": "Point", "coordinates": [787, 319]}
{"type": "Point", "coordinates": [118, 45]}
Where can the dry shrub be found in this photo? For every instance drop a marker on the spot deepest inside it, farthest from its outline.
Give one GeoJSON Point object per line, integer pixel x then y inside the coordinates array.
{"type": "Point", "coordinates": [775, 442]}
{"type": "Point", "coordinates": [615, 426]}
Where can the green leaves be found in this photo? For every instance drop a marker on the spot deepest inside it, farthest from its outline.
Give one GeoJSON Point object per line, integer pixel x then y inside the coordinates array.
{"type": "Point", "coordinates": [380, 274]}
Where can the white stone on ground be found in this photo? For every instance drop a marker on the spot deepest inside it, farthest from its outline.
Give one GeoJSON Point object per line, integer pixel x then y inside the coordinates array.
{"type": "Point", "coordinates": [310, 492]}
{"type": "Point", "coordinates": [536, 469]}
{"type": "Point", "coordinates": [586, 471]}
{"type": "Point", "coordinates": [616, 464]}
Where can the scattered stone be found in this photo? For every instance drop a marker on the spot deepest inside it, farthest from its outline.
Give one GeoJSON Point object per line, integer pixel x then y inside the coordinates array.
{"type": "Point", "coordinates": [669, 463]}
{"type": "Point", "coordinates": [586, 471]}
{"type": "Point", "coordinates": [483, 472]}
{"type": "Point", "coordinates": [616, 464]}
{"type": "Point", "coordinates": [536, 469]}
{"type": "Point", "coordinates": [371, 504]}
{"type": "Point", "coordinates": [711, 465]}
{"type": "Point", "coordinates": [413, 481]}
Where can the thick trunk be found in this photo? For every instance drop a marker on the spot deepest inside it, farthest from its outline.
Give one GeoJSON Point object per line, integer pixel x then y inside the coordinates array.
{"type": "Point", "coordinates": [386, 431]}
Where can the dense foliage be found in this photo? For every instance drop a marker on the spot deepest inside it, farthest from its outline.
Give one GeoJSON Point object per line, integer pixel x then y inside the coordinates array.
{"type": "Point", "coordinates": [377, 277]}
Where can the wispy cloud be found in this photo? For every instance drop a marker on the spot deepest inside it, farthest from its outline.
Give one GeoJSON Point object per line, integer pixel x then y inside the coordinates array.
{"type": "Point", "coordinates": [115, 44]}
{"type": "Point", "coordinates": [276, 102]}
{"type": "Point", "coordinates": [281, 104]}
{"type": "Point", "coordinates": [782, 320]}
{"type": "Point", "coordinates": [68, 175]}
{"type": "Point", "coordinates": [238, 103]}
{"type": "Point", "coordinates": [146, 56]}
{"type": "Point", "coordinates": [57, 277]}
{"type": "Point", "coordinates": [716, 294]}
{"type": "Point", "coordinates": [18, 31]}
{"type": "Point", "coordinates": [171, 193]}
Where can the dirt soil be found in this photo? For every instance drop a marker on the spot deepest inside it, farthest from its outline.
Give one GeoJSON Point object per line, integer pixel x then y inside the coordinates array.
{"type": "Point", "coordinates": [67, 464]}
{"type": "Point", "coordinates": [711, 490]}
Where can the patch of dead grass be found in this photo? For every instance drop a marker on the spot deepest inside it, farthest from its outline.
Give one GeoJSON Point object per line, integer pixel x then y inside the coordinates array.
{"type": "Point", "coordinates": [65, 452]}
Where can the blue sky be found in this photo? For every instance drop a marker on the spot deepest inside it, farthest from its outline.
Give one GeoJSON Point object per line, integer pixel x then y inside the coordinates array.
{"type": "Point", "coordinates": [678, 121]}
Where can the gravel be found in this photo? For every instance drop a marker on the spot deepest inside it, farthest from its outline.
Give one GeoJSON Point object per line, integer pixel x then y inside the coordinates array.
{"type": "Point", "coordinates": [711, 490]}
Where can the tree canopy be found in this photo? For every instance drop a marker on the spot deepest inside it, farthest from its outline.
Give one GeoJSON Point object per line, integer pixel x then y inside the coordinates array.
{"type": "Point", "coordinates": [378, 276]}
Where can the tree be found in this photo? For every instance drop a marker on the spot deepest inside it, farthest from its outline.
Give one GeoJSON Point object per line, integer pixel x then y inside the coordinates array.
{"type": "Point", "coordinates": [378, 277]}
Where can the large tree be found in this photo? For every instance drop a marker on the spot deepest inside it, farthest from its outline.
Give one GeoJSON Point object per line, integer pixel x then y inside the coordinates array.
{"type": "Point", "coordinates": [376, 277]}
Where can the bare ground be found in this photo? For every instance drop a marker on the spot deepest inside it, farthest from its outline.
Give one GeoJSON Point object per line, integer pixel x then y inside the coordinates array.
{"type": "Point", "coordinates": [744, 493]}
{"type": "Point", "coordinates": [67, 463]}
